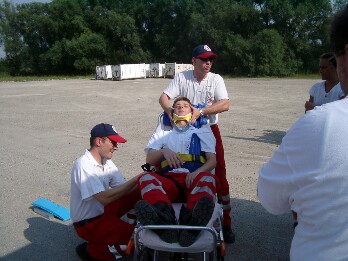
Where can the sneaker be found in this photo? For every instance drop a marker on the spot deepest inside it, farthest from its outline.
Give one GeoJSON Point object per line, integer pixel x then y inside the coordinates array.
{"type": "Point", "coordinates": [148, 214]}
{"type": "Point", "coordinates": [199, 216]}
{"type": "Point", "coordinates": [82, 252]}
{"type": "Point", "coordinates": [229, 236]}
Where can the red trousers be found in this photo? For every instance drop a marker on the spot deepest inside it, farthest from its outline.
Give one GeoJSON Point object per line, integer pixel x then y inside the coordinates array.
{"type": "Point", "coordinates": [222, 186]}
{"type": "Point", "coordinates": [156, 188]}
{"type": "Point", "coordinates": [110, 229]}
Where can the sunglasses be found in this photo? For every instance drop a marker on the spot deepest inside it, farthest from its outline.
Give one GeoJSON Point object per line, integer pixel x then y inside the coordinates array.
{"type": "Point", "coordinates": [205, 59]}
{"type": "Point", "coordinates": [114, 143]}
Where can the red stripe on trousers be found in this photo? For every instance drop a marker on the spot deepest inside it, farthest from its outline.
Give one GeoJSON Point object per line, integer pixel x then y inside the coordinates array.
{"type": "Point", "coordinates": [222, 186]}
{"type": "Point", "coordinates": [172, 192]}
{"type": "Point", "coordinates": [109, 229]}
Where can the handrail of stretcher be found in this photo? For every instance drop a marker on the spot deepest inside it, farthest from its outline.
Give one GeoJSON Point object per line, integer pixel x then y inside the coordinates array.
{"type": "Point", "coordinates": [178, 227]}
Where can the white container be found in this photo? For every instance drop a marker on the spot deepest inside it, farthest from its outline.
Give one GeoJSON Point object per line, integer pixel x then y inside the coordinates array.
{"type": "Point", "coordinates": [173, 68]}
{"type": "Point", "coordinates": [98, 74]}
{"type": "Point", "coordinates": [156, 70]}
{"type": "Point", "coordinates": [147, 70]}
{"type": "Point", "coordinates": [103, 72]}
{"type": "Point", "coordinates": [128, 71]}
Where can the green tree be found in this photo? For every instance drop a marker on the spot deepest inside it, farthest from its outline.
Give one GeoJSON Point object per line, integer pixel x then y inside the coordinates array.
{"type": "Point", "coordinates": [12, 40]}
{"type": "Point", "coordinates": [236, 56]}
{"type": "Point", "coordinates": [66, 36]}
{"type": "Point", "coordinates": [303, 26]}
{"type": "Point", "coordinates": [268, 51]}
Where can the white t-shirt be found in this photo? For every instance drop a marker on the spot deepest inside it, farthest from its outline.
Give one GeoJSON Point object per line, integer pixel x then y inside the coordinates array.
{"type": "Point", "coordinates": [180, 141]}
{"type": "Point", "coordinates": [209, 91]}
{"type": "Point", "coordinates": [87, 179]}
{"type": "Point", "coordinates": [308, 174]}
{"type": "Point", "coordinates": [320, 95]}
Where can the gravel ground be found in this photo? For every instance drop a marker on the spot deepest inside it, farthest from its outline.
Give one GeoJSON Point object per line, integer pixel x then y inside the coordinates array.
{"type": "Point", "coordinates": [45, 125]}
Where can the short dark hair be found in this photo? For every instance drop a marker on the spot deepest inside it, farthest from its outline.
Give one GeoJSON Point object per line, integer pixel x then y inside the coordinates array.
{"type": "Point", "coordinates": [338, 32]}
{"type": "Point", "coordinates": [92, 141]}
{"type": "Point", "coordinates": [330, 57]}
{"type": "Point", "coordinates": [181, 98]}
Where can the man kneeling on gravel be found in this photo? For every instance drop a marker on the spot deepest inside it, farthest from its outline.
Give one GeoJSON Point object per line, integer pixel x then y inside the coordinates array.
{"type": "Point", "coordinates": [186, 155]}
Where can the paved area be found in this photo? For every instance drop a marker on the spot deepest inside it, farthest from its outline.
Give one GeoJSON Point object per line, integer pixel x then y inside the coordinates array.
{"type": "Point", "coordinates": [45, 125]}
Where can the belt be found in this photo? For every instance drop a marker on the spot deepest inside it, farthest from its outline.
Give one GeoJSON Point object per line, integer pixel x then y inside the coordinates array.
{"type": "Point", "coordinates": [85, 221]}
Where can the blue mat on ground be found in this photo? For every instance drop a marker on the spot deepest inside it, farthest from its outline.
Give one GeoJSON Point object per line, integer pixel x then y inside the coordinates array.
{"type": "Point", "coordinates": [57, 210]}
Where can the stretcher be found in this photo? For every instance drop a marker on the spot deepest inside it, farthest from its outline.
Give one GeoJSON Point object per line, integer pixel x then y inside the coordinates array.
{"type": "Point", "coordinates": [208, 246]}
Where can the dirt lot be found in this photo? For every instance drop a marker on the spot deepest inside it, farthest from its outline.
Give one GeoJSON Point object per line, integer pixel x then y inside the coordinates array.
{"type": "Point", "coordinates": [45, 125]}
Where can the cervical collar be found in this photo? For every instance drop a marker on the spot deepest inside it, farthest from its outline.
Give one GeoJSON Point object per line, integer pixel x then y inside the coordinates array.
{"type": "Point", "coordinates": [186, 117]}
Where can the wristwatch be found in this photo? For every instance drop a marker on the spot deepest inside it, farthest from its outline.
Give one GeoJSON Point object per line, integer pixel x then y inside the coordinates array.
{"type": "Point", "coordinates": [201, 113]}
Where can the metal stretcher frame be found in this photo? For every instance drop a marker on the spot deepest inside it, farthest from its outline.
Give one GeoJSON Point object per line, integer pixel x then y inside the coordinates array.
{"type": "Point", "coordinates": [207, 242]}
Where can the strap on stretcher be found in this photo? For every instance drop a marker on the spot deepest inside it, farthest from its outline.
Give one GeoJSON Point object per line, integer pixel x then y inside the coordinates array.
{"type": "Point", "coordinates": [186, 158]}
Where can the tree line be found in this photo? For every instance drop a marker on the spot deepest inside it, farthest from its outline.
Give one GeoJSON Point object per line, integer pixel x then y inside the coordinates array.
{"type": "Point", "coordinates": [251, 37]}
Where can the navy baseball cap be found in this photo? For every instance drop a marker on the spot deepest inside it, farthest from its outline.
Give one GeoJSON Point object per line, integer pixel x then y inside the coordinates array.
{"type": "Point", "coordinates": [107, 130]}
{"type": "Point", "coordinates": [203, 51]}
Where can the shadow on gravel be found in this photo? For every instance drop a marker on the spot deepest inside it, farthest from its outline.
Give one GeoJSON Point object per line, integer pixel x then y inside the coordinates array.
{"type": "Point", "coordinates": [49, 240]}
{"type": "Point", "coordinates": [259, 235]}
{"type": "Point", "coordinates": [268, 136]}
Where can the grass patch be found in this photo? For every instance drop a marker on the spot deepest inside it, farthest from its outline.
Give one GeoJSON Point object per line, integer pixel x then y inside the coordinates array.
{"type": "Point", "coordinates": [294, 76]}
{"type": "Point", "coordinates": [305, 76]}
{"type": "Point", "coordinates": [7, 78]}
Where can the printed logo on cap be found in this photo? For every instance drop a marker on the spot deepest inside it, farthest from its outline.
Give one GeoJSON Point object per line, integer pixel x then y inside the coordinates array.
{"type": "Point", "coordinates": [114, 129]}
{"type": "Point", "coordinates": [207, 48]}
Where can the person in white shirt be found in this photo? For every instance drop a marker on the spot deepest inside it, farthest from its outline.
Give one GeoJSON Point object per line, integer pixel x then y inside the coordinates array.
{"type": "Point", "coordinates": [328, 90]}
{"type": "Point", "coordinates": [308, 172]}
{"type": "Point", "coordinates": [207, 91]}
{"type": "Point", "coordinates": [190, 180]}
{"type": "Point", "coordinates": [102, 201]}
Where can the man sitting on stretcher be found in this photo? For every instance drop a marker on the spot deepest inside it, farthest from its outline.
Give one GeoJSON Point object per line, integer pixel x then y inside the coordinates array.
{"type": "Point", "coordinates": [186, 155]}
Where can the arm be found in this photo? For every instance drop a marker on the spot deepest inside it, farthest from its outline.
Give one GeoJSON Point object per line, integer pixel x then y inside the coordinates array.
{"type": "Point", "coordinates": [289, 172]}
{"type": "Point", "coordinates": [107, 196]}
{"type": "Point", "coordinates": [164, 101]}
{"type": "Point", "coordinates": [208, 166]}
{"type": "Point", "coordinates": [217, 107]}
{"type": "Point", "coordinates": [154, 157]}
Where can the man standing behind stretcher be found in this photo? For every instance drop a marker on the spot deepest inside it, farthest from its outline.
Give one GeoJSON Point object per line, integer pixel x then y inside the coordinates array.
{"type": "Point", "coordinates": [202, 87]}
{"type": "Point", "coordinates": [189, 177]}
